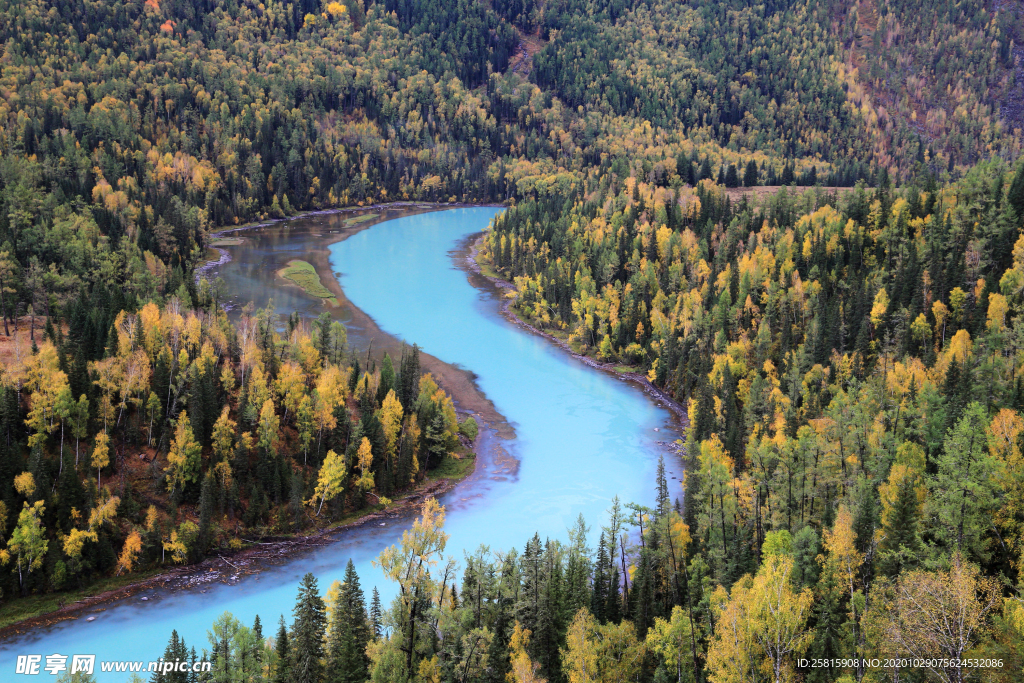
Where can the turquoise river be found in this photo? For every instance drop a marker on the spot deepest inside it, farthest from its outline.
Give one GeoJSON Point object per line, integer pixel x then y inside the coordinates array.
{"type": "Point", "coordinates": [583, 436]}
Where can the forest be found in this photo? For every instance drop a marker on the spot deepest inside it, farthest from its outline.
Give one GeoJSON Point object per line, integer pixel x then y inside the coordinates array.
{"type": "Point", "coordinates": [801, 221]}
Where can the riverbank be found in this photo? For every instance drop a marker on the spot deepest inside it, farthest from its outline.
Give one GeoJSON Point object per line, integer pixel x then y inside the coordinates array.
{"type": "Point", "coordinates": [226, 566]}
{"type": "Point", "coordinates": [469, 257]}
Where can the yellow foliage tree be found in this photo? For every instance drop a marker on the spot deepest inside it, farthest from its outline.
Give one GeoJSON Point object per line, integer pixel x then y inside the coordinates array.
{"type": "Point", "coordinates": [937, 617]}
{"type": "Point", "coordinates": [601, 653]}
{"type": "Point", "coordinates": [25, 484]}
{"type": "Point", "coordinates": [761, 626]}
{"type": "Point", "coordinates": [183, 458]}
{"type": "Point", "coordinates": [365, 459]}
{"type": "Point", "coordinates": [524, 669]}
{"type": "Point", "coordinates": [100, 455]}
{"type": "Point", "coordinates": [331, 481]}
{"type": "Point", "coordinates": [391, 420]}
{"type": "Point", "coordinates": [129, 553]}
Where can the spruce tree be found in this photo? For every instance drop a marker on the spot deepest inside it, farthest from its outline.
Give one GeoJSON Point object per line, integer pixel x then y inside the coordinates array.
{"type": "Point", "coordinates": [206, 503]}
{"type": "Point", "coordinates": [349, 633]}
{"type": "Point", "coordinates": [307, 639]}
{"type": "Point", "coordinates": [732, 176]}
{"type": "Point", "coordinates": [705, 170]}
{"type": "Point", "coordinates": [257, 641]}
{"type": "Point", "coordinates": [498, 663]}
{"type": "Point", "coordinates": [829, 616]}
{"type": "Point", "coordinates": [750, 174]}
{"type": "Point", "coordinates": [283, 674]}
{"type": "Point", "coordinates": [193, 675]}
{"type": "Point", "coordinates": [176, 651]}
{"type": "Point", "coordinates": [901, 546]}
{"type": "Point", "coordinates": [376, 614]}
{"type": "Point", "coordinates": [599, 595]}
{"type": "Point", "coordinates": [387, 379]}
{"type": "Point", "coordinates": [323, 335]}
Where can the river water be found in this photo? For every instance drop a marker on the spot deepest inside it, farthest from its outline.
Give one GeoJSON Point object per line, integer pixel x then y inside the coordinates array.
{"type": "Point", "coordinates": [582, 437]}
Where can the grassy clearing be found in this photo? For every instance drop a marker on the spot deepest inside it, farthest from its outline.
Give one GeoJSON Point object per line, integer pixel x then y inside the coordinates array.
{"type": "Point", "coordinates": [487, 270]}
{"type": "Point", "coordinates": [304, 275]}
{"type": "Point", "coordinates": [454, 468]}
{"type": "Point", "coordinates": [356, 220]}
{"type": "Point", "coordinates": [226, 242]}
{"type": "Point", "coordinates": [39, 605]}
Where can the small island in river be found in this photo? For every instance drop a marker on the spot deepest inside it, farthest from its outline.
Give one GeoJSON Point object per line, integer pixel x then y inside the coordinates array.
{"type": "Point", "coordinates": [304, 275]}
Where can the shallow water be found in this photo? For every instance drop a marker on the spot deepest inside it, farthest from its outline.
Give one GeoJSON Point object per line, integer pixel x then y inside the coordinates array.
{"type": "Point", "coordinates": [582, 437]}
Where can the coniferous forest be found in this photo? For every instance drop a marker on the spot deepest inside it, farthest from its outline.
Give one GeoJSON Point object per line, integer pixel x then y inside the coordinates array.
{"type": "Point", "coordinates": [801, 222]}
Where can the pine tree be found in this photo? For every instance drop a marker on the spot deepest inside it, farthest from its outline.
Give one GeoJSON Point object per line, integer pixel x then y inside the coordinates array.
{"type": "Point", "coordinates": [901, 545]}
{"type": "Point", "coordinates": [376, 614]}
{"type": "Point", "coordinates": [307, 639]}
{"type": "Point", "coordinates": [283, 674]}
{"type": "Point", "coordinates": [176, 651]}
{"type": "Point", "coordinates": [750, 174]}
{"type": "Point", "coordinates": [387, 379]}
{"type": "Point", "coordinates": [732, 176]}
{"type": "Point", "coordinates": [350, 632]}
{"type": "Point", "coordinates": [962, 493]}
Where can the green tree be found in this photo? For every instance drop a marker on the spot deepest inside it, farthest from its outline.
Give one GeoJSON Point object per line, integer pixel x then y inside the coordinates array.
{"type": "Point", "coordinates": [282, 672]}
{"type": "Point", "coordinates": [28, 542]}
{"type": "Point", "coordinates": [348, 632]}
{"type": "Point", "coordinates": [307, 636]}
{"type": "Point", "coordinates": [750, 174]}
{"type": "Point", "coordinates": [962, 491]}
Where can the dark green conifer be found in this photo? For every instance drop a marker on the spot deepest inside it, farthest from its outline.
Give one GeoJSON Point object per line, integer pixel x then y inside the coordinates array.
{"type": "Point", "coordinates": [283, 672]}
{"type": "Point", "coordinates": [387, 379]}
{"type": "Point", "coordinates": [307, 638]}
{"type": "Point", "coordinates": [349, 633]}
{"type": "Point", "coordinates": [376, 614]}
{"type": "Point", "coordinates": [750, 174]}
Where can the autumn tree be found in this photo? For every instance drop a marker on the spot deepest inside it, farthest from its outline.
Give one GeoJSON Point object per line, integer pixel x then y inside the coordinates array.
{"type": "Point", "coordinates": [100, 454]}
{"type": "Point", "coordinates": [183, 459]}
{"type": "Point", "coordinates": [28, 542]}
{"type": "Point", "coordinates": [938, 617]}
{"type": "Point", "coordinates": [761, 625]}
{"type": "Point", "coordinates": [330, 482]}
{"type": "Point", "coordinates": [411, 565]}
